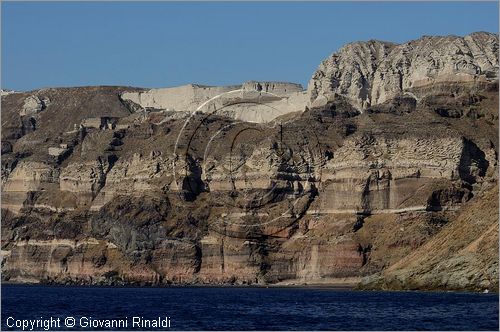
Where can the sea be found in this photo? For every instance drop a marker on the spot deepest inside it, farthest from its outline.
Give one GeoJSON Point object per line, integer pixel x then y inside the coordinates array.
{"type": "Point", "coordinates": [48, 308]}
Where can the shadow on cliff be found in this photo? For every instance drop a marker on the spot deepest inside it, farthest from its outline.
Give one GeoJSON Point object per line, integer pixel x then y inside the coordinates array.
{"type": "Point", "coordinates": [473, 163]}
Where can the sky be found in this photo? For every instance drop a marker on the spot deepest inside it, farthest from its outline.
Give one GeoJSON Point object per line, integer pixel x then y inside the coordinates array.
{"type": "Point", "coordinates": [162, 44]}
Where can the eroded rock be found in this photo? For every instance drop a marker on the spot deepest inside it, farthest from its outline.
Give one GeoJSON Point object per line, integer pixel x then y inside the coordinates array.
{"type": "Point", "coordinates": [370, 73]}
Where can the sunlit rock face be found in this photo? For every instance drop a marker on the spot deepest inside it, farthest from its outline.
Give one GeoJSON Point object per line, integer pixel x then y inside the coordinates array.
{"type": "Point", "coordinates": [26, 178]}
{"type": "Point", "coordinates": [252, 101]}
{"type": "Point", "coordinates": [371, 174]}
{"type": "Point", "coordinates": [390, 155]}
{"type": "Point", "coordinates": [370, 73]}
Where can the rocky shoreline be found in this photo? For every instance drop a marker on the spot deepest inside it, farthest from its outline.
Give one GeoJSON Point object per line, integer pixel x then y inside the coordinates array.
{"type": "Point", "coordinates": [312, 285]}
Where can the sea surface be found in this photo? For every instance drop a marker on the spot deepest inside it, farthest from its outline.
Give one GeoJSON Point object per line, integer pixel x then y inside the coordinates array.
{"type": "Point", "coordinates": [245, 308]}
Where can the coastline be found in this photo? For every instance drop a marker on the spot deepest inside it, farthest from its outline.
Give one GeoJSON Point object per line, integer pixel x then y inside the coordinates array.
{"type": "Point", "coordinates": [122, 284]}
{"type": "Point", "coordinates": [347, 283]}
{"type": "Point", "coordinates": [336, 284]}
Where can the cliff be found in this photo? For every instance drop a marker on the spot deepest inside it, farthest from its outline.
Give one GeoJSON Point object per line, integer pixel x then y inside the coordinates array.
{"type": "Point", "coordinates": [370, 73]}
{"type": "Point", "coordinates": [382, 173]}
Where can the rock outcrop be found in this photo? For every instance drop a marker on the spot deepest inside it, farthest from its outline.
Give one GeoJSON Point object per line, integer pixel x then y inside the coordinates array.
{"type": "Point", "coordinates": [387, 176]}
{"type": "Point", "coordinates": [369, 73]}
{"type": "Point", "coordinates": [253, 101]}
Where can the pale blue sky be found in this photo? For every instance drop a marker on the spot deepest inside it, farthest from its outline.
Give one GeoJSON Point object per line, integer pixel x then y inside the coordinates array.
{"type": "Point", "coordinates": [167, 44]}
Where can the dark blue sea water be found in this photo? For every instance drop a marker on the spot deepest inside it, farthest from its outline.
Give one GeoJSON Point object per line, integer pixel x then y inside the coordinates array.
{"type": "Point", "coordinates": [212, 308]}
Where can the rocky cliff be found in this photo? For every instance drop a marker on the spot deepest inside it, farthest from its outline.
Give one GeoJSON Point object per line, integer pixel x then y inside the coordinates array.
{"type": "Point", "coordinates": [382, 173]}
{"type": "Point", "coordinates": [370, 73]}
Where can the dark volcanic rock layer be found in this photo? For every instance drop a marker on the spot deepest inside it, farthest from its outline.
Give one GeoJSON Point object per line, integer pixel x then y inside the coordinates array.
{"type": "Point", "coordinates": [393, 185]}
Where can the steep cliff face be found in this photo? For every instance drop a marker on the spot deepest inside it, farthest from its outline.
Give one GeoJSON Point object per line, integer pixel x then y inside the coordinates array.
{"type": "Point", "coordinates": [107, 185]}
{"type": "Point", "coordinates": [370, 73]}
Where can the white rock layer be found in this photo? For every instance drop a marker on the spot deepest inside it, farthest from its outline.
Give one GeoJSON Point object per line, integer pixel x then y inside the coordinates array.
{"type": "Point", "coordinates": [372, 72]}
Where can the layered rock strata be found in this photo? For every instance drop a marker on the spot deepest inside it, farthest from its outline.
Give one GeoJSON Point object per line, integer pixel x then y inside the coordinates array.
{"type": "Point", "coordinates": [383, 177]}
